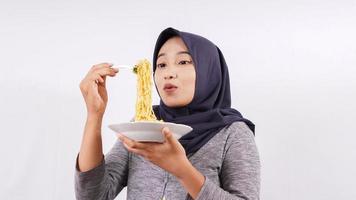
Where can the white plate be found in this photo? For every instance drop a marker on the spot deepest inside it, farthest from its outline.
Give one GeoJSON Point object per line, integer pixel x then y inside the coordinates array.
{"type": "Point", "coordinates": [149, 131]}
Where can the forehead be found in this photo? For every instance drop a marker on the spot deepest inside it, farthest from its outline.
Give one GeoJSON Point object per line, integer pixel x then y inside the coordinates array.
{"type": "Point", "coordinates": [174, 44]}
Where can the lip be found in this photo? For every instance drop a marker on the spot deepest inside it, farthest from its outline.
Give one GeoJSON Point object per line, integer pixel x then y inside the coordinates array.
{"type": "Point", "coordinates": [170, 90]}
{"type": "Point", "coordinates": [169, 87]}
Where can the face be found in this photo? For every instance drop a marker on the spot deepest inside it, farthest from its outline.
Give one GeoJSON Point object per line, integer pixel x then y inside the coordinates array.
{"type": "Point", "coordinates": [175, 73]}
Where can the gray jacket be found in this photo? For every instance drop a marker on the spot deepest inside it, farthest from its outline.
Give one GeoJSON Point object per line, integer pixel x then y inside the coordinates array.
{"type": "Point", "coordinates": [229, 161]}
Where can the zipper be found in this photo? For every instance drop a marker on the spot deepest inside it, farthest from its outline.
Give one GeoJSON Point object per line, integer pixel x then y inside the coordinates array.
{"type": "Point", "coordinates": [165, 185]}
{"type": "Point", "coordinates": [166, 176]}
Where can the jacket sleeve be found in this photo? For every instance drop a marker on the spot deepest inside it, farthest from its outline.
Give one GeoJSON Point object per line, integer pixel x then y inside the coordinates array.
{"type": "Point", "coordinates": [240, 171]}
{"type": "Point", "coordinates": [106, 180]}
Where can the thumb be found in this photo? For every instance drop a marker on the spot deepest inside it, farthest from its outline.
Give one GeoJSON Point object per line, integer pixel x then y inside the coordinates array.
{"type": "Point", "coordinates": [168, 134]}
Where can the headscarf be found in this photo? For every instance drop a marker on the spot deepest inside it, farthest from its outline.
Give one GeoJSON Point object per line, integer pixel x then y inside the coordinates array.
{"type": "Point", "coordinates": [210, 110]}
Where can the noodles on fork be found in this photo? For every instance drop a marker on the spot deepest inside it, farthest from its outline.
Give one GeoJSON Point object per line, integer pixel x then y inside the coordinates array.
{"type": "Point", "coordinates": [144, 111]}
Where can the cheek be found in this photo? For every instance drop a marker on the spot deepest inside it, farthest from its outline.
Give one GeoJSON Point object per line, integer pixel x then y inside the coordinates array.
{"type": "Point", "coordinates": [157, 80]}
{"type": "Point", "coordinates": [191, 88]}
{"type": "Point", "coordinates": [189, 83]}
{"type": "Point", "coordinates": [192, 77]}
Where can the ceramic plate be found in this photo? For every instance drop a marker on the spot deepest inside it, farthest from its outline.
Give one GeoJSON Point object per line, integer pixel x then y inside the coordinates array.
{"type": "Point", "coordinates": [149, 131]}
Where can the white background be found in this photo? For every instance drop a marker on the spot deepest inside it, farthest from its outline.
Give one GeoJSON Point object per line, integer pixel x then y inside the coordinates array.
{"type": "Point", "coordinates": [292, 68]}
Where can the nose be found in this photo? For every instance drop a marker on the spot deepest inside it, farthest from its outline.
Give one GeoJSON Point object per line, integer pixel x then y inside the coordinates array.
{"type": "Point", "coordinates": [170, 76]}
{"type": "Point", "coordinates": [169, 73]}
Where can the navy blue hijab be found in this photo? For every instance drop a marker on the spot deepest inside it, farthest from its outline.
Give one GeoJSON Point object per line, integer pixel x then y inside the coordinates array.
{"type": "Point", "coordinates": [210, 110]}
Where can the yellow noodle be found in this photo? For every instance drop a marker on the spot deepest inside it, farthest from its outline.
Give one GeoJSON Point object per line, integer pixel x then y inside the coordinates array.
{"type": "Point", "coordinates": [144, 111]}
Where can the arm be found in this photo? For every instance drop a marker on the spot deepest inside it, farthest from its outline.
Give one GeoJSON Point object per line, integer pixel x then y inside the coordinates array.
{"type": "Point", "coordinates": [91, 151]}
{"type": "Point", "coordinates": [93, 88]}
{"type": "Point", "coordinates": [240, 172]}
{"type": "Point", "coordinates": [96, 177]}
{"type": "Point", "coordinates": [107, 179]}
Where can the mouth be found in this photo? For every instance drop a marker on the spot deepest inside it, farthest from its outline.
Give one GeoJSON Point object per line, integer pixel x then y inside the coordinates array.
{"type": "Point", "coordinates": [169, 88]}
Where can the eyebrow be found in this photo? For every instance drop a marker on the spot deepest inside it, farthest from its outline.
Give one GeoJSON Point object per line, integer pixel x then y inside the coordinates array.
{"type": "Point", "coordinates": [181, 52]}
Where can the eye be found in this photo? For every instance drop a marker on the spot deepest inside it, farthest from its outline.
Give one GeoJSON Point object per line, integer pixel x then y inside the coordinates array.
{"type": "Point", "coordinates": [185, 62]}
{"type": "Point", "coordinates": [161, 65]}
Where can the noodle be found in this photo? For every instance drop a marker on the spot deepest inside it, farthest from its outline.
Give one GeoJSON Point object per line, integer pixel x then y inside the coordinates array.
{"type": "Point", "coordinates": [144, 110]}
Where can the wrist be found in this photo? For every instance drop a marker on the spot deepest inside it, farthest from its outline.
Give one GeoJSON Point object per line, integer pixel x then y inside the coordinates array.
{"type": "Point", "coordinates": [191, 179]}
{"type": "Point", "coordinates": [94, 122]}
{"type": "Point", "coordinates": [95, 117]}
{"type": "Point", "coordinates": [184, 170]}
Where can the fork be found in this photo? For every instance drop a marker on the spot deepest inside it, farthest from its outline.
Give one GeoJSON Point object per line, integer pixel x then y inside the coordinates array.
{"type": "Point", "coordinates": [133, 68]}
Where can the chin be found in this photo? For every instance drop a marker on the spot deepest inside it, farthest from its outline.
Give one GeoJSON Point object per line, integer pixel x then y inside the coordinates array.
{"type": "Point", "coordinates": [173, 103]}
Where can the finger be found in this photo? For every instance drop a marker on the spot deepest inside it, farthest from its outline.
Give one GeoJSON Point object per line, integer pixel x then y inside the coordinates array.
{"type": "Point", "coordinates": [100, 79]}
{"type": "Point", "coordinates": [136, 151]}
{"type": "Point", "coordinates": [98, 75]}
{"type": "Point", "coordinates": [168, 135]}
{"type": "Point", "coordinates": [106, 71]}
{"type": "Point", "coordinates": [97, 78]}
{"type": "Point", "coordinates": [131, 143]}
{"type": "Point", "coordinates": [101, 65]}
{"type": "Point", "coordinates": [104, 81]}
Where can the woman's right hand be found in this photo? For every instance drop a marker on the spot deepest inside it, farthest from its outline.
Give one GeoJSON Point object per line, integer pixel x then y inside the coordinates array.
{"type": "Point", "coordinates": [94, 90]}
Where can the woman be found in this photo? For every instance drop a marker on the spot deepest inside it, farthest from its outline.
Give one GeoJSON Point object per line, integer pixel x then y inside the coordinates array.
{"type": "Point", "coordinates": [218, 159]}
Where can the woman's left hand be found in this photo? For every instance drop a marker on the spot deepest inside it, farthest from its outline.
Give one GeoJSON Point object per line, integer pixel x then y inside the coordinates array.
{"type": "Point", "coordinates": [169, 155]}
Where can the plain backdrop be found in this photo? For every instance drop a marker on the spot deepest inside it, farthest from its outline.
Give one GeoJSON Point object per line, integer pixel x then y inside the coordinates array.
{"type": "Point", "coordinates": [292, 72]}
